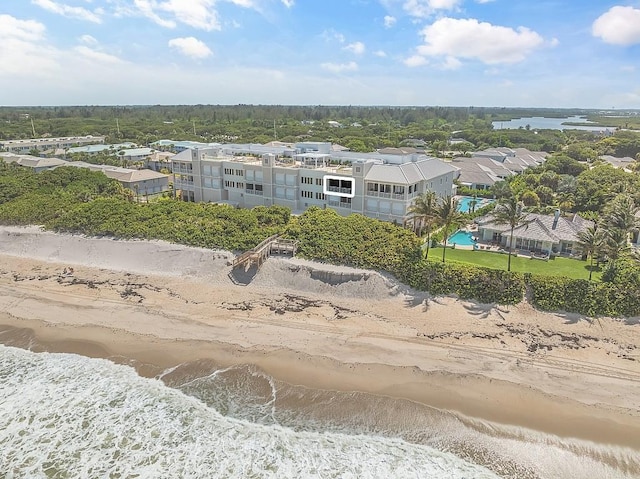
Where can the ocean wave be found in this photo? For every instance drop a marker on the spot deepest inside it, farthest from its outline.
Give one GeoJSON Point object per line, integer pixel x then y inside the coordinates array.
{"type": "Point", "coordinates": [64, 415]}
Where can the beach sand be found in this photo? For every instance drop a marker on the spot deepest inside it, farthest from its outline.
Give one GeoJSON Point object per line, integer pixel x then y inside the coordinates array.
{"type": "Point", "coordinates": [323, 327]}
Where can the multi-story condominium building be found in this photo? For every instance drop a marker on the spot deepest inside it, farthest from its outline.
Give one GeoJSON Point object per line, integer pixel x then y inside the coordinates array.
{"type": "Point", "coordinates": [44, 144]}
{"type": "Point", "coordinates": [309, 178]}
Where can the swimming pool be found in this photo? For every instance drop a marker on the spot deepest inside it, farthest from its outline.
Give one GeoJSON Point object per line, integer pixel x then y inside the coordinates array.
{"type": "Point", "coordinates": [462, 238]}
{"type": "Point", "coordinates": [464, 203]}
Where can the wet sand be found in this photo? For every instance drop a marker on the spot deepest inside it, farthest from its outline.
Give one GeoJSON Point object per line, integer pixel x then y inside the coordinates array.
{"type": "Point", "coordinates": [322, 327]}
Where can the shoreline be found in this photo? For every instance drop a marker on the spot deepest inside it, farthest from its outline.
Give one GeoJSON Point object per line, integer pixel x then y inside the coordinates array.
{"type": "Point", "coordinates": [582, 380]}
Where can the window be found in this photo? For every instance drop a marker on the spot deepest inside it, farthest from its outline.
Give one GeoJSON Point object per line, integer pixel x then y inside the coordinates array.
{"type": "Point", "coordinates": [321, 196]}
{"type": "Point", "coordinates": [306, 194]}
{"type": "Point", "coordinates": [305, 180]}
{"type": "Point", "coordinates": [229, 184]}
{"type": "Point", "coordinates": [250, 186]}
{"type": "Point", "coordinates": [258, 187]}
{"type": "Point", "coordinates": [239, 173]}
{"type": "Point", "coordinates": [228, 171]}
{"type": "Point", "coordinates": [318, 181]}
{"type": "Point", "coordinates": [372, 186]}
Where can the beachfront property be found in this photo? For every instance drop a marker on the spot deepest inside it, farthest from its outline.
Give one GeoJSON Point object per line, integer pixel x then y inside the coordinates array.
{"type": "Point", "coordinates": [48, 144]}
{"type": "Point", "coordinates": [311, 175]}
{"type": "Point", "coordinates": [541, 234]}
{"type": "Point", "coordinates": [484, 168]}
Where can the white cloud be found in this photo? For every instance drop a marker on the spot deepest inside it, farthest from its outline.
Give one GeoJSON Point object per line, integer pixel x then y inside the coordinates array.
{"type": "Point", "coordinates": [469, 38]}
{"type": "Point", "coordinates": [340, 67]}
{"type": "Point", "coordinates": [389, 21]}
{"type": "Point", "coordinates": [200, 14]}
{"type": "Point", "coordinates": [88, 40]}
{"type": "Point", "coordinates": [416, 61]}
{"type": "Point", "coordinates": [13, 28]}
{"type": "Point", "coordinates": [96, 56]}
{"type": "Point", "coordinates": [24, 51]}
{"type": "Point", "coordinates": [191, 47]}
{"type": "Point", "coordinates": [146, 9]}
{"type": "Point", "coordinates": [618, 26]}
{"type": "Point", "coordinates": [451, 63]}
{"type": "Point", "coordinates": [69, 11]}
{"type": "Point", "coordinates": [380, 53]}
{"type": "Point", "coordinates": [356, 48]}
{"type": "Point", "coordinates": [426, 8]}
{"type": "Point", "coordinates": [288, 3]}
{"type": "Point", "coordinates": [329, 35]}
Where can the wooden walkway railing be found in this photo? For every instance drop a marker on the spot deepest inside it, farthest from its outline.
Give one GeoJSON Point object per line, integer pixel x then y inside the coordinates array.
{"type": "Point", "coordinates": [258, 255]}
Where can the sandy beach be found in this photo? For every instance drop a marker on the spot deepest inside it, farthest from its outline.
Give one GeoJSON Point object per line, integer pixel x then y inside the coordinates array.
{"type": "Point", "coordinates": [322, 327]}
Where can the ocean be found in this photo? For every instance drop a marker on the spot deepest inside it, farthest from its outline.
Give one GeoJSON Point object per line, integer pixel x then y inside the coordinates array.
{"type": "Point", "coordinates": [69, 416]}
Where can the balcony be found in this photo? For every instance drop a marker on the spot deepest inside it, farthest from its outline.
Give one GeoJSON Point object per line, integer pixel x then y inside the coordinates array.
{"type": "Point", "coordinates": [339, 204]}
{"type": "Point", "coordinates": [391, 196]}
{"type": "Point", "coordinates": [337, 189]}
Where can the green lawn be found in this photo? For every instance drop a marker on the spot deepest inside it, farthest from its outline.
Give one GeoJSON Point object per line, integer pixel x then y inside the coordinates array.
{"type": "Point", "coordinates": [572, 268]}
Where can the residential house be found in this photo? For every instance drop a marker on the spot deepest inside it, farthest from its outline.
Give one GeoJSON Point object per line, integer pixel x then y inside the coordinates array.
{"type": "Point", "coordinates": [484, 168]}
{"type": "Point", "coordinates": [36, 163]}
{"type": "Point", "coordinates": [547, 234]}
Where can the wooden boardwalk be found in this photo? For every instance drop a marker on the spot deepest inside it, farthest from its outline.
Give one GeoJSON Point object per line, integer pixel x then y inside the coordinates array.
{"type": "Point", "coordinates": [258, 255]}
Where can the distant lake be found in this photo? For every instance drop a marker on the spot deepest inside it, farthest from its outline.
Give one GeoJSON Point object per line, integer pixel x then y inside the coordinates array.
{"type": "Point", "coordinates": [544, 123]}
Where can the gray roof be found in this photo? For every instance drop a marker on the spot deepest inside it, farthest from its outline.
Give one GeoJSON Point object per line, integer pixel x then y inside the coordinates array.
{"type": "Point", "coordinates": [409, 173]}
{"type": "Point", "coordinates": [541, 227]}
{"type": "Point", "coordinates": [624, 162]}
{"type": "Point", "coordinates": [32, 161]}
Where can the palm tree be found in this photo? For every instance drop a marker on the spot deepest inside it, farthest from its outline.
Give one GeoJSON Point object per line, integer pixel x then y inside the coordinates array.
{"type": "Point", "coordinates": [449, 217]}
{"type": "Point", "coordinates": [622, 214]}
{"type": "Point", "coordinates": [615, 243]}
{"type": "Point", "coordinates": [591, 241]}
{"type": "Point", "coordinates": [501, 189]}
{"type": "Point", "coordinates": [423, 210]}
{"type": "Point", "coordinates": [510, 212]}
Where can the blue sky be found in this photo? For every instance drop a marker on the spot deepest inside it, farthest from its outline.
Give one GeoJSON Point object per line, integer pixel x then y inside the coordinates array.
{"type": "Point", "coordinates": [527, 53]}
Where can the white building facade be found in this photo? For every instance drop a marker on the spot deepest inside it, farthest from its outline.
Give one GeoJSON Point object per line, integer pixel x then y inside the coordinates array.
{"type": "Point", "coordinates": [44, 144]}
{"type": "Point", "coordinates": [309, 178]}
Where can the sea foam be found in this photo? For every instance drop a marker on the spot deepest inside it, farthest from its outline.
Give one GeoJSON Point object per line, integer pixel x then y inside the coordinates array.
{"type": "Point", "coordinates": [64, 415]}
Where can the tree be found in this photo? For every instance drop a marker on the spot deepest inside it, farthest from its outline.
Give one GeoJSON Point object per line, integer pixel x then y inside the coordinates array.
{"type": "Point", "coordinates": [591, 241]}
{"type": "Point", "coordinates": [622, 214]}
{"type": "Point", "coordinates": [449, 217]}
{"type": "Point", "coordinates": [423, 210]}
{"type": "Point", "coordinates": [510, 212]}
{"type": "Point", "coordinates": [501, 189]}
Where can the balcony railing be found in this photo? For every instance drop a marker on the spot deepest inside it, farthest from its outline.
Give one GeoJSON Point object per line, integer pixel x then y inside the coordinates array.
{"type": "Point", "coordinates": [337, 189]}
{"type": "Point", "coordinates": [254, 192]}
{"type": "Point", "coordinates": [339, 204]}
{"type": "Point", "coordinates": [393, 196]}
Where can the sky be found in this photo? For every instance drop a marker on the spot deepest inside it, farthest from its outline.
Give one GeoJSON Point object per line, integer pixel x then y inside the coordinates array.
{"type": "Point", "coordinates": [515, 53]}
